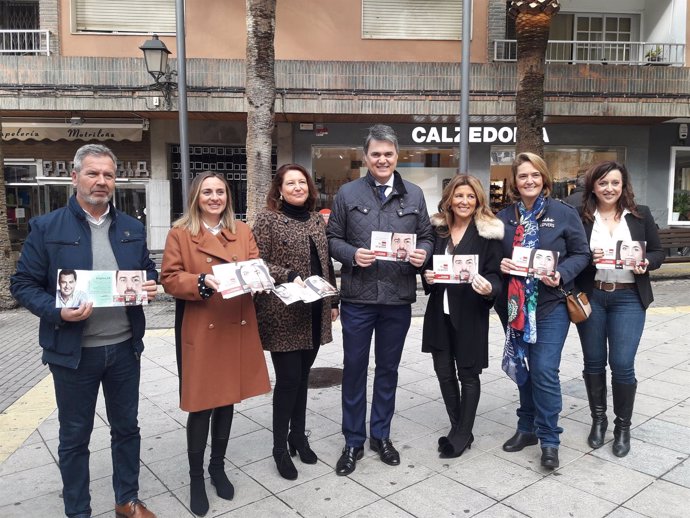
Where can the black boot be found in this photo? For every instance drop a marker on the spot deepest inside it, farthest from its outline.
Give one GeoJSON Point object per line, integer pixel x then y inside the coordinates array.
{"type": "Point", "coordinates": [596, 394]}
{"type": "Point", "coordinates": [623, 402]}
{"type": "Point", "coordinates": [298, 443]}
{"type": "Point", "coordinates": [450, 391]}
{"type": "Point", "coordinates": [197, 433]}
{"type": "Point", "coordinates": [461, 437]}
{"type": "Point", "coordinates": [221, 422]}
{"type": "Point", "coordinates": [284, 463]}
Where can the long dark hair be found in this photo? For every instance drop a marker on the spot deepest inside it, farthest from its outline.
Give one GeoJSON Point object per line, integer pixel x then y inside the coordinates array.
{"type": "Point", "coordinates": [273, 201]}
{"type": "Point", "coordinates": [589, 199]}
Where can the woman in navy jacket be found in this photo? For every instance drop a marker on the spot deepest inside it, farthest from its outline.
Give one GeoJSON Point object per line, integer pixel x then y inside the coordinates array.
{"type": "Point", "coordinates": [619, 298]}
{"type": "Point", "coordinates": [534, 311]}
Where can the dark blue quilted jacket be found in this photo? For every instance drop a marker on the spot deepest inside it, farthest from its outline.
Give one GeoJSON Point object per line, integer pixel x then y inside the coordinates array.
{"type": "Point", "coordinates": [357, 211]}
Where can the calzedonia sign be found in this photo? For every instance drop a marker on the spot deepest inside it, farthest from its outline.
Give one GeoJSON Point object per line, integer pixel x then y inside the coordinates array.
{"type": "Point", "coordinates": [477, 134]}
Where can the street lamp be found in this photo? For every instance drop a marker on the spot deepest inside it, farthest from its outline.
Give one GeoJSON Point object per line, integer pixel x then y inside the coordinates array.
{"type": "Point", "coordinates": [156, 58]}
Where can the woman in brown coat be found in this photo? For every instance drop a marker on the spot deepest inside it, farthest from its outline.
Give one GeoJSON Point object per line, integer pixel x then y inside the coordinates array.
{"type": "Point", "coordinates": [219, 354]}
{"type": "Point", "coordinates": [292, 241]}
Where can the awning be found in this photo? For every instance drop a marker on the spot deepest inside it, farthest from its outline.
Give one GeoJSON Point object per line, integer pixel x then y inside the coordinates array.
{"type": "Point", "coordinates": [68, 131]}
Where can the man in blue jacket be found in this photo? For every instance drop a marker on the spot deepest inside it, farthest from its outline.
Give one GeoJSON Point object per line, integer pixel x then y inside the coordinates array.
{"type": "Point", "coordinates": [375, 295]}
{"type": "Point", "coordinates": [86, 346]}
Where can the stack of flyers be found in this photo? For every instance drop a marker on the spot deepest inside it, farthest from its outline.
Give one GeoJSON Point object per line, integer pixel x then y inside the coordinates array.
{"type": "Point", "coordinates": [534, 262]}
{"type": "Point", "coordinates": [626, 255]}
{"type": "Point", "coordinates": [455, 269]}
{"type": "Point", "coordinates": [393, 246]}
{"type": "Point", "coordinates": [243, 277]}
{"type": "Point", "coordinates": [314, 288]}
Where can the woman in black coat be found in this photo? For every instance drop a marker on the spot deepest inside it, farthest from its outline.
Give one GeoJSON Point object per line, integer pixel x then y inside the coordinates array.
{"type": "Point", "coordinates": [619, 297]}
{"type": "Point", "coordinates": [456, 322]}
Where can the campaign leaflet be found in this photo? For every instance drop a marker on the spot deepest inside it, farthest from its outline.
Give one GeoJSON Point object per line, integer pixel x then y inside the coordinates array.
{"type": "Point", "coordinates": [314, 288]}
{"type": "Point", "coordinates": [242, 277]}
{"type": "Point", "coordinates": [393, 246]}
{"type": "Point", "coordinates": [624, 255]}
{"type": "Point", "coordinates": [103, 288]}
{"type": "Point", "coordinates": [534, 262]}
{"type": "Point", "coordinates": [455, 269]}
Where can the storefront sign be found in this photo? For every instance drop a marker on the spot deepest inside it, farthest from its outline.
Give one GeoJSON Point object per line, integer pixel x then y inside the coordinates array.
{"type": "Point", "coordinates": [477, 134]}
{"type": "Point", "coordinates": [67, 131]}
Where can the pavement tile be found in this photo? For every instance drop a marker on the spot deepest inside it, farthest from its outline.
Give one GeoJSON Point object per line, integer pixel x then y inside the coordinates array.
{"type": "Point", "coordinates": [604, 479]}
{"type": "Point", "coordinates": [29, 483]}
{"type": "Point", "coordinates": [269, 507]}
{"type": "Point", "coordinates": [548, 498]}
{"type": "Point", "coordinates": [680, 474]}
{"type": "Point", "coordinates": [661, 499]}
{"type": "Point", "coordinates": [30, 455]}
{"type": "Point", "coordinates": [329, 496]}
{"type": "Point", "coordinates": [500, 511]}
{"type": "Point", "coordinates": [449, 497]}
{"type": "Point", "coordinates": [670, 435]}
{"type": "Point", "coordinates": [493, 476]}
{"type": "Point", "coordinates": [644, 457]}
{"type": "Point", "coordinates": [43, 506]}
{"type": "Point", "coordinates": [380, 508]}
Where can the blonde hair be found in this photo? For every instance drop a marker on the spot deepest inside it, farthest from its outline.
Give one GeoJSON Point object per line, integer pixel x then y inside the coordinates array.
{"type": "Point", "coordinates": [539, 165]}
{"type": "Point", "coordinates": [191, 219]}
{"type": "Point", "coordinates": [444, 218]}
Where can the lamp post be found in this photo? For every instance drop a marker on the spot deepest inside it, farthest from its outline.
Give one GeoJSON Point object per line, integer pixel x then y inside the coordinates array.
{"type": "Point", "coordinates": [156, 58]}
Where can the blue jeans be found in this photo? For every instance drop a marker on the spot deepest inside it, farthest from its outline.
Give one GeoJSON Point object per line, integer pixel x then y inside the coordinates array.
{"type": "Point", "coordinates": [76, 390]}
{"type": "Point", "coordinates": [617, 319]}
{"type": "Point", "coordinates": [359, 321]}
{"type": "Point", "coordinates": [540, 396]}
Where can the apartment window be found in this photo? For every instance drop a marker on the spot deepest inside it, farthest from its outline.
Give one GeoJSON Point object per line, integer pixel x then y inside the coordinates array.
{"type": "Point", "coordinates": [129, 16]}
{"type": "Point", "coordinates": [679, 183]}
{"type": "Point", "coordinates": [412, 19]}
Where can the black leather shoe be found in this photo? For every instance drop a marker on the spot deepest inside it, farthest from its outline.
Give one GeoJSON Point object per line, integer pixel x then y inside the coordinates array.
{"type": "Point", "coordinates": [348, 460]}
{"type": "Point", "coordinates": [549, 457]}
{"type": "Point", "coordinates": [518, 441]}
{"type": "Point", "coordinates": [384, 447]}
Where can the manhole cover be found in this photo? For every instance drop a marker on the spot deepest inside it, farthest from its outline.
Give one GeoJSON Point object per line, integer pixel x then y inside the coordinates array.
{"type": "Point", "coordinates": [321, 377]}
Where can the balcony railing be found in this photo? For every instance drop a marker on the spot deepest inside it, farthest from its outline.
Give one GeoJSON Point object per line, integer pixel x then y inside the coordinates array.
{"type": "Point", "coordinates": [30, 43]}
{"type": "Point", "coordinates": [611, 52]}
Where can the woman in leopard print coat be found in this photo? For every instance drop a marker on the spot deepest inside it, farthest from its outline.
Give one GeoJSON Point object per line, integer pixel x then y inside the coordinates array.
{"type": "Point", "coordinates": [292, 241]}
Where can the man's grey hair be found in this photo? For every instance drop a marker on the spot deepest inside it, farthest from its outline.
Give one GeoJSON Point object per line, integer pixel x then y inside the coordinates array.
{"type": "Point", "coordinates": [91, 150]}
{"type": "Point", "coordinates": [381, 132]}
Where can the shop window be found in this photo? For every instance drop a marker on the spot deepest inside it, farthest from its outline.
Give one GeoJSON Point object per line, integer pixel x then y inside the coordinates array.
{"type": "Point", "coordinates": [427, 167]}
{"type": "Point", "coordinates": [680, 187]}
{"type": "Point", "coordinates": [130, 16]}
{"type": "Point", "coordinates": [566, 164]}
{"type": "Point", "coordinates": [231, 161]}
{"type": "Point", "coordinates": [412, 19]}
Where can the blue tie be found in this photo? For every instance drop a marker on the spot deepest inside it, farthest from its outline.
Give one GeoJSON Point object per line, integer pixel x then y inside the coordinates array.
{"type": "Point", "coordinates": [382, 192]}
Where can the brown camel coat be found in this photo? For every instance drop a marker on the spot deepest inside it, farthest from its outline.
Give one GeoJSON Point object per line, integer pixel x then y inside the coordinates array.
{"type": "Point", "coordinates": [284, 245]}
{"type": "Point", "coordinates": [220, 355]}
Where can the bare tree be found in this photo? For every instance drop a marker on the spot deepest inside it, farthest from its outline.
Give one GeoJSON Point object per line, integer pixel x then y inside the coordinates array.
{"type": "Point", "coordinates": [261, 94]}
{"type": "Point", "coordinates": [6, 262]}
{"type": "Point", "coordinates": [532, 24]}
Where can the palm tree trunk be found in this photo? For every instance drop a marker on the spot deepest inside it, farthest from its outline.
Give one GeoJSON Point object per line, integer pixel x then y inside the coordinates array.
{"type": "Point", "coordinates": [6, 261]}
{"type": "Point", "coordinates": [533, 36]}
{"type": "Point", "coordinates": [261, 93]}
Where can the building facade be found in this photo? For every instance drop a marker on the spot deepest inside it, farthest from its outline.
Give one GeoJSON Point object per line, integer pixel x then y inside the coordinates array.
{"type": "Point", "coordinates": [71, 72]}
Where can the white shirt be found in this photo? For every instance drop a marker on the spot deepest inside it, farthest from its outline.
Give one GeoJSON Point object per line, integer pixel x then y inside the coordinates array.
{"type": "Point", "coordinates": [214, 229]}
{"type": "Point", "coordinates": [601, 238]}
{"type": "Point", "coordinates": [388, 184]}
{"type": "Point", "coordinates": [100, 220]}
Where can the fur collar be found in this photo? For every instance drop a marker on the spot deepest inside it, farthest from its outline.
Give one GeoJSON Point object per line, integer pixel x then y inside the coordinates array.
{"type": "Point", "coordinates": [488, 229]}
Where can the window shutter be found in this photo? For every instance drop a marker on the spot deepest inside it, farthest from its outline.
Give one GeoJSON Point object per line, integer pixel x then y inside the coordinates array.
{"type": "Point", "coordinates": [141, 16]}
{"type": "Point", "coordinates": [412, 19]}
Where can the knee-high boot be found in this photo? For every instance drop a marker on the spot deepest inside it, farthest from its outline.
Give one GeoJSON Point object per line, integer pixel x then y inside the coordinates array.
{"type": "Point", "coordinates": [197, 434]}
{"type": "Point", "coordinates": [450, 391]}
{"type": "Point", "coordinates": [221, 422]}
{"type": "Point", "coordinates": [461, 436]}
{"type": "Point", "coordinates": [596, 395]}
{"type": "Point", "coordinates": [623, 402]}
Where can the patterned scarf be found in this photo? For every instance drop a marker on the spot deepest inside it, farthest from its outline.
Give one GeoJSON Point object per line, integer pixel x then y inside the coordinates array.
{"type": "Point", "coordinates": [522, 299]}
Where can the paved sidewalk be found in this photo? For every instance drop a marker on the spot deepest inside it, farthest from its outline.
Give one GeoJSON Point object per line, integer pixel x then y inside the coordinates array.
{"type": "Point", "coordinates": [653, 480]}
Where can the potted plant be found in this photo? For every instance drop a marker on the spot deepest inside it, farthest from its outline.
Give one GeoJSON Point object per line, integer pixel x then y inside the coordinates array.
{"type": "Point", "coordinates": [655, 54]}
{"type": "Point", "coordinates": [681, 204]}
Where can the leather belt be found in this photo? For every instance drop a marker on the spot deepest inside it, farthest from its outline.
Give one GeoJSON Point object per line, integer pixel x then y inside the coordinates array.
{"type": "Point", "coordinates": [613, 286]}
